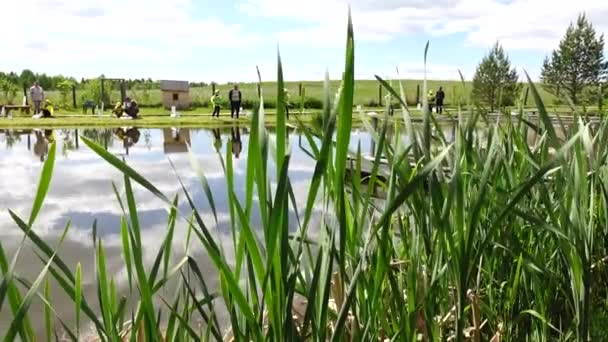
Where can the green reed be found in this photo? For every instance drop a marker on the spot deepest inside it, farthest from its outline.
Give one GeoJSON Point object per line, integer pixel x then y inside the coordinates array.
{"type": "Point", "coordinates": [482, 238]}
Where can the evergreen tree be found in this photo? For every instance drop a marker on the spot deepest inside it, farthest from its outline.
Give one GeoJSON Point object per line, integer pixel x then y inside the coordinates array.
{"type": "Point", "coordinates": [495, 83]}
{"type": "Point", "coordinates": [578, 62]}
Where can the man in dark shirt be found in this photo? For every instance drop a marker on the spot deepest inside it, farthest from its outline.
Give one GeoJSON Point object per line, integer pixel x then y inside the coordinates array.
{"type": "Point", "coordinates": [235, 98]}
{"type": "Point", "coordinates": [131, 108]}
{"type": "Point", "coordinates": [439, 98]}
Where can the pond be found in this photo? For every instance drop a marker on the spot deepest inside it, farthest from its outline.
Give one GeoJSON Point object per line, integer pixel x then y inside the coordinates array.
{"type": "Point", "coordinates": [81, 192]}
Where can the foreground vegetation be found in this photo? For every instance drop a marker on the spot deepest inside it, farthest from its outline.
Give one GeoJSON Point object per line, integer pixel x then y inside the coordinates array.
{"type": "Point", "coordinates": [483, 238]}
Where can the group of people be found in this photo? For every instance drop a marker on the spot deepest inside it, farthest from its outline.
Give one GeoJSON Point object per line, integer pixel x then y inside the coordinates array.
{"type": "Point", "coordinates": [43, 108]}
{"type": "Point", "coordinates": [436, 100]}
{"type": "Point", "coordinates": [126, 110]}
{"type": "Point", "coordinates": [235, 96]}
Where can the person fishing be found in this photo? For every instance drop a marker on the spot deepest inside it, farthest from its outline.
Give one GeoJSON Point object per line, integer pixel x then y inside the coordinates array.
{"type": "Point", "coordinates": [216, 102]}
{"type": "Point", "coordinates": [46, 110]}
{"type": "Point", "coordinates": [117, 110]}
{"type": "Point", "coordinates": [131, 108]}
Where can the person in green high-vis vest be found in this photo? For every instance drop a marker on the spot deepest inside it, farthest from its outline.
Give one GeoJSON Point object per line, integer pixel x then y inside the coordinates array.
{"type": "Point", "coordinates": [216, 102]}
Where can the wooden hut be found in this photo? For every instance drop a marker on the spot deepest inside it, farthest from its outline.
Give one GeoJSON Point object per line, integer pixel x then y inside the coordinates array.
{"type": "Point", "coordinates": [176, 93]}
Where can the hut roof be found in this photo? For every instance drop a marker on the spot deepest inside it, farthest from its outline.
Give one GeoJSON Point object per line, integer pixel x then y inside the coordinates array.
{"type": "Point", "coordinates": [166, 85]}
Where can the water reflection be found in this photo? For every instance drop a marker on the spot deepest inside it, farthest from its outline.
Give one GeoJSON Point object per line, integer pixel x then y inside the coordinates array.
{"type": "Point", "coordinates": [176, 140]}
{"type": "Point", "coordinates": [81, 189]}
{"type": "Point", "coordinates": [237, 145]}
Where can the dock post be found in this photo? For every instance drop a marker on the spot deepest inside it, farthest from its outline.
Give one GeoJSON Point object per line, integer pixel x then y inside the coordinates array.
{"type": "Point", "coordinates": [74, 95]}
{"type": "Point", "coordinates": [25, 93]}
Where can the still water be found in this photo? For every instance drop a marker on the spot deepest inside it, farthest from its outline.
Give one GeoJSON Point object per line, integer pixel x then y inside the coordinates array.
{"type": "Point", "coordinates": [81, 192]}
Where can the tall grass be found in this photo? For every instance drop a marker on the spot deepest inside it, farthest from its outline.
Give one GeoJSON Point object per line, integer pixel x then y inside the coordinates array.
{"type": "Point", "coordinates": [483, 238]}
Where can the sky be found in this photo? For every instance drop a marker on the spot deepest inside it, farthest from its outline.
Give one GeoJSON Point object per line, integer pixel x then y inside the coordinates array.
{"type": "Point", "coordinates": [224, 40]}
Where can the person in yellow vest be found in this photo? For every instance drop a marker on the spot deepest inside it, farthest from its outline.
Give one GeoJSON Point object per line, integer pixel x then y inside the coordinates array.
{"type": "Point", "coordinates": [431, 100]}
{"type": "Point", "coordinates": [216, 102]}
{"type": "Point", "coordinates": [117, 110]}
{"type": "Point", "coordinates": [47, 110]}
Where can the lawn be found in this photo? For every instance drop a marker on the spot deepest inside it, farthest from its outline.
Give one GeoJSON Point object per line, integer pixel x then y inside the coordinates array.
{"type": "Point", "coordinates": [366, 92]}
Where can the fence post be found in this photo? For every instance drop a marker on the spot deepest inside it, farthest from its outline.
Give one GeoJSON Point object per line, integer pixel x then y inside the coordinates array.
{"type": "Point", "coordinates": [380, 95]}
{"type": "Point", "coordinates": [300, 89]}
{"type": "Point", "coordinates": [103, 93]}
{"type": "Point", "coordinates": [25, 93]}
{"type": "Point", "coordinates": [417, 94]}
{"type": "Point", "coordinates": [74, 95]}
{"type": "Point", "coordinates": [212, 88]}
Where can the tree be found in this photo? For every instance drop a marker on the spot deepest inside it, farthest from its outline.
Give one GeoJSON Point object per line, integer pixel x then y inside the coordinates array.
{"type": "Point", "coordinates": [578, 63]}
{"type": "Point", "coordinates": [27, 77]}
{"type": "Point", "coordinates": [65, 88]}
{"type": "Point", "coordinates": [9, 89]}
{"type": "Point", "coordinates": [495, 83]}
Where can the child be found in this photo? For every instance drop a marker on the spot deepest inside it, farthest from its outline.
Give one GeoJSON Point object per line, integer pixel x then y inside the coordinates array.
{"type": "Point", "coordinates": [216, 101]}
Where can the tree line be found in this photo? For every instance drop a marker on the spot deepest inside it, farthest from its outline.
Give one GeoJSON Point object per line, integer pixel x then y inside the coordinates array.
{"type": "Point", "coordinates": [574, 72]}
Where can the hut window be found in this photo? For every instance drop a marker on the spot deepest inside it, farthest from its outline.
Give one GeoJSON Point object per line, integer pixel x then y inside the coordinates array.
{"type": "Point", "coordinates": [175, 97]}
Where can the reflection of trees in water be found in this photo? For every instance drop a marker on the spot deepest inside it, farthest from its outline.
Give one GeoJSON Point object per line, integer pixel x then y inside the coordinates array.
{"type": "Point", "coordinates": [101, 136]}
{"type": "Point", "coordinates": [11, 138]}
{"type": "Point", "coordinates": [68, 138]}
{"type": "Point", "coordinates": [148, 139]}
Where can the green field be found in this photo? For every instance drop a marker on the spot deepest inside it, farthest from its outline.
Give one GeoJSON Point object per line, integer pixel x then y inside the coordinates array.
{"type": "Point", "coordinates": [366, 93]}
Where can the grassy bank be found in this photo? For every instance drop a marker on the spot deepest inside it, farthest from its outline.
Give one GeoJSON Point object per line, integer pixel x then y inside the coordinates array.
{"type": "Point", "coordinates": [146, 120]}
{"type": "Point", "coordinates": [483, 238]}
{"type": "Point", "coordinates": [366, 93]}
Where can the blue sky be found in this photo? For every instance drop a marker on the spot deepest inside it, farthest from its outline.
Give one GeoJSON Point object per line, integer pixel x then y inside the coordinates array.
{"type": "Point", "coordinates": [223, 41]}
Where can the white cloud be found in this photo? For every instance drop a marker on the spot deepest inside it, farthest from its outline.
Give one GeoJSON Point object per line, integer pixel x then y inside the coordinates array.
{"type": "Point", "coordinates": [122, 33]}
{"type": "Point", "coordinates": [518, 24]}
{"type": "Point", "coordinates": [163, 38]}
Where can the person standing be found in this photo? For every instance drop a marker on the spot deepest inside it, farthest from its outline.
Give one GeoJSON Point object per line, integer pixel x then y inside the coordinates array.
{"type": "Point", "coordinates": [216, 101]}
{"type": "Point", "coordinates": [37, 95]}
{"type": "Point", "coordinates": [440, 97]}
{"type": "Point", "coordinates": [235, 97]}
{"type": "Point", "coordinates": [286, 99]}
